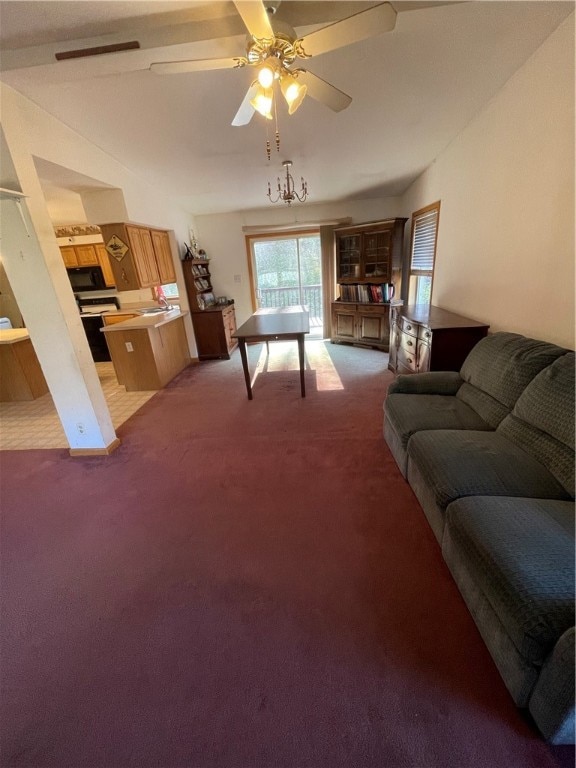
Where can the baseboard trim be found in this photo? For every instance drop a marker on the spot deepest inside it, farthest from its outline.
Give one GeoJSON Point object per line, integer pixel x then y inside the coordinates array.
{"type": "Point", "coordinates": [96, 451]}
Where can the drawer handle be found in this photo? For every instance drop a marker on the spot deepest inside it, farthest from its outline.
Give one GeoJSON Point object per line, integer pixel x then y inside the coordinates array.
{"type": "Point", "coordinates": [410, 361]}
{"type": "Point", "coordinates": [410, 344]}
{"type": "Point", "coordinates": [408, 327]}
{"type": "Point", "coordinates": [427, 334]}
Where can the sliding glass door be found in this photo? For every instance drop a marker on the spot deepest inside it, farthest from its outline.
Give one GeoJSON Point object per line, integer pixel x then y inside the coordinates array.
{"type": "Point", "coordinates": [287, 270]}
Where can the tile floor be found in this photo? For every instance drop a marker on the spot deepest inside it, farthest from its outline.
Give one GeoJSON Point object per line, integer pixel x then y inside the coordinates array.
{"type": "Point", "coordinates": [35, 423]}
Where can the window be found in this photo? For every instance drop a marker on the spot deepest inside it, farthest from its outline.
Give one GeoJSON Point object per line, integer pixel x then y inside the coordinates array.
{"type": "Point", "coordinates": [423, 253]}
{"type": "Point", "coordinates": [170, 290]}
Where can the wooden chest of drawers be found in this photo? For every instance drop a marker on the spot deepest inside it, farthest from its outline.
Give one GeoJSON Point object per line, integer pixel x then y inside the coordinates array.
{"type": "Point", "coordinates": [426, 338]}
{"type": "Point", "coordinates": [213, 329]}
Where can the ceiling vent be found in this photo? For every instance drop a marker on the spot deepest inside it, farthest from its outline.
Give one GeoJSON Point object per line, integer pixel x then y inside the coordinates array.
{"type": "Point", "coordinates": [81, 52]}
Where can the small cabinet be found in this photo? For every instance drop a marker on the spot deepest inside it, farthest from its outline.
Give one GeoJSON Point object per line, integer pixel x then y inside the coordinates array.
{"type": "Point", "coordinates": [363, 324]}
{"type": "Point", "coordinates": [140, 256]}
{"type": "Point", "coordinates": [89, 256]}
{"type": "Point", "coordinates": [213, 329]}
{"type": "Point", "coordinates": [104, 261]}
{"type": "Point", "coordinates": [79, 256]}
{"type": "Point", "coordinates": [426, 338]}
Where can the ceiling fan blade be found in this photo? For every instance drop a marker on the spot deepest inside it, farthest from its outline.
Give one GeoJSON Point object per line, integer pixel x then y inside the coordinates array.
{"type": "Point", "coordinates": [374, 21]}
{"type": "Point", "coordinates": [244, 114]}
{"type": "Point", "coordinates": [194, 65]}
{"type": "Point", "coordinates": [255, 18]}
{"type": "Point", "coordinates": [324, 92]}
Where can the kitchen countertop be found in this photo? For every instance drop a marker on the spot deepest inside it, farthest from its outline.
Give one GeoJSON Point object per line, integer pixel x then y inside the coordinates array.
{"type": "Point", "coordinates": [12, 335]}
{"type": "Point", "coordinates": [143, 321]}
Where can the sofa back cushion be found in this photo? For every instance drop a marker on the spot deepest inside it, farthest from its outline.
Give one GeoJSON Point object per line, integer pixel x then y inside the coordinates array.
{"type": "Point", "coordinates": [497, 371]}
{"type": "Point", "coordinates": [542, 421]}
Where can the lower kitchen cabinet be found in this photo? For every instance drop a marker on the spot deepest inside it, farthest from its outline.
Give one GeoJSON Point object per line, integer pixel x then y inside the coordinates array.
{"type": "Point", "coordinates": [424, 338]}
{"type": "Point", "coordinates": [367, 325]}
{"type": "Point", "coordinates": [213, 329]}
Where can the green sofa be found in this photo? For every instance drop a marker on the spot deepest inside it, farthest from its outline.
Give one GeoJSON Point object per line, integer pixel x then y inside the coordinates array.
{"type": "Point", "coordinates": [489, 453]}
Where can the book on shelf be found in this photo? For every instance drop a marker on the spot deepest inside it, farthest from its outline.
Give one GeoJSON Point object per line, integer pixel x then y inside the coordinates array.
{"type": "Point", "coordinates": [366, 293]}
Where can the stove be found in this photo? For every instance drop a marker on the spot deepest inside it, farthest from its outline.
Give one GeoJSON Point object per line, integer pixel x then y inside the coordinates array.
{"type": "Point", "coordinates": [97, 306]}
{"type": "Point", "coordinates": [91, 311]}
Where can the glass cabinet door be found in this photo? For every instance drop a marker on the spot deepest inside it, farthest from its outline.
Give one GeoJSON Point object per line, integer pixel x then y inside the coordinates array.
{"type": "Point", "coordinates": [377, 250]}
{"type": "Point", "coordinates": [349, 248]}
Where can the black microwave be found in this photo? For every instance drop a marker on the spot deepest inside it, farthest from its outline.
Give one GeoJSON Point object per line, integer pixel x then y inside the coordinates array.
{"type": "Point", "coordinates": [86, 279]}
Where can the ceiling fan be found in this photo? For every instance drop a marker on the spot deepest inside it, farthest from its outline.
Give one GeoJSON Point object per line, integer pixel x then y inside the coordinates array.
{"type": "Point", "coordinates": [272, 49]}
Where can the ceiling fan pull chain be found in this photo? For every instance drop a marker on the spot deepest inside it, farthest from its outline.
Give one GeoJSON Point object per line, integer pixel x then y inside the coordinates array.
{"type": "Point", "coordinates": [276, 121]}
{"type": "Point", "coordinates": [267, 143]}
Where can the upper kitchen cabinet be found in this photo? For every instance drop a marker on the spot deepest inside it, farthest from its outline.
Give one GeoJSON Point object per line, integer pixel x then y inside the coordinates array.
{"type": "Point", "coordinates": [79, 255]}
{"type": "Point", "coordinates": [104, 262]}
{"type": "Point", "coordinates": [141, 257]}
{"type": "Point", "coordinates": [89, 256]}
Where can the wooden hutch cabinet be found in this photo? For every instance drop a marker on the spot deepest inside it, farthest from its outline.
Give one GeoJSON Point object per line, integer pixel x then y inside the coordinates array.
{"type": "Point", "coordinates": [140, 256]}
{"type": "Point", "coordinates": [424, 338]}
{"type": "Point", "coordinates": [369, 275]}
{"type": "Point", "coordinates": [213, 323]}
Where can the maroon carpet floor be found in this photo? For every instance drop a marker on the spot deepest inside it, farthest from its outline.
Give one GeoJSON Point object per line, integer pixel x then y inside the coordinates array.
{"type": "Point", "coordinates": [242, 585]}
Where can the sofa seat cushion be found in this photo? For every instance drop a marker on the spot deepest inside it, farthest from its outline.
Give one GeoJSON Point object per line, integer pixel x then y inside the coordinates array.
{"type": "Point", "coordinates": [520, 553]}
{"type": "Point", "coordinates": [409, 414]}
{"type": "Point", "coordinates": [456, 463]}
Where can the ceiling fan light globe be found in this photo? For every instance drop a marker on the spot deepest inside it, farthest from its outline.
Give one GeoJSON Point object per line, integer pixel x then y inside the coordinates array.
{"type": "Point", "coordinates": [294, 93]}
{"type": "Point", "coordinates": [266, 76]}
{"type": "Point", "coordinates": [262, 102]}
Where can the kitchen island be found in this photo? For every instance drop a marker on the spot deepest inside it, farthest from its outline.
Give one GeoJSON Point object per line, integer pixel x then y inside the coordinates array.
{"type": "Point", "coordinates": [21, 377]}
{"type": "Point", "coordinates": [148, 350]}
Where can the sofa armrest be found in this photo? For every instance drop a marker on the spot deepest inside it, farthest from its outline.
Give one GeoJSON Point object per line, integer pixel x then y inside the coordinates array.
{"type": "Point", "coordinates": [552, 701]}
{"type": "Point", "coordinates": [432, 383]}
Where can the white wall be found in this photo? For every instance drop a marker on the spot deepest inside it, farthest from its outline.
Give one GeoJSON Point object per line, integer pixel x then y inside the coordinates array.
{"type": "Point", "coordinates": [506, 184]}
{"type": "Point", "coordinates": [223, 238]}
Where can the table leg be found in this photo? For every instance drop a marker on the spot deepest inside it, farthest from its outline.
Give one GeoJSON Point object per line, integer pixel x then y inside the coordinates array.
{"type": "Point", "coordinates": [242, 345]}
{"type": "Point", "coordinates": [301, 358]}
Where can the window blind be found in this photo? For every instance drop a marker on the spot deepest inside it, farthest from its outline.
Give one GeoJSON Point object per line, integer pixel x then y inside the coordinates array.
{"type": "Point", "coordinates": [424, 241]}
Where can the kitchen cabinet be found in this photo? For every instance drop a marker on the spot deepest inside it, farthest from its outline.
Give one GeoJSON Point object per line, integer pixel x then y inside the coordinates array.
{"type": "Point", "coordinates": [148, 351]}
{"type": "Point", "coordinates": [104, 261]}
{"type": "Point", "coordinates": [21, 377]}
{"type": "Point", "coordinates": [90, 255]}
{"type": "Point", "coordinates": [424, 338]}
{"type": "Point", "coordinates": [163, 252]}
{"type": "Point", "coordinates": [79, 256]}
{"type": "Point", "coordinates": [118, 317]}
{"type": "Point", "coordinates": [140, 256]}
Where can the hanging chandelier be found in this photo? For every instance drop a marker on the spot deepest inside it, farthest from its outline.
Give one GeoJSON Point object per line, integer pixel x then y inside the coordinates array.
{"type": "Point", "coordinates": [285, 191]}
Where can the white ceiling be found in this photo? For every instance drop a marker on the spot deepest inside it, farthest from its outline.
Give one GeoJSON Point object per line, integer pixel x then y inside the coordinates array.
{"type": "Point", "coordinates": [413, 91]}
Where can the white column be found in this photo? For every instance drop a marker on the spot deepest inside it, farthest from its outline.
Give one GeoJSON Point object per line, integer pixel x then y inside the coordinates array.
{"type": "Point", "coordinates": [35, 269]}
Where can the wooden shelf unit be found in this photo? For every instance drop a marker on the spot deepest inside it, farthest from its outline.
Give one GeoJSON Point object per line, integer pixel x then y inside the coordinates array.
{"type": "Point", "coordinates": [213, 324]}
{"type": "Point", "coordinates": [368, 261]}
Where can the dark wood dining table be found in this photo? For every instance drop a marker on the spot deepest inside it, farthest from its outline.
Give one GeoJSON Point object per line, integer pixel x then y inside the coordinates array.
{"type": "Point", "coordinates": [274, 324]}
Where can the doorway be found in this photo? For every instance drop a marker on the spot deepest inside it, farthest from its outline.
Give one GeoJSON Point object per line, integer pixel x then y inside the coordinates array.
{"type": "Point", "coordinates": [286, 269]}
